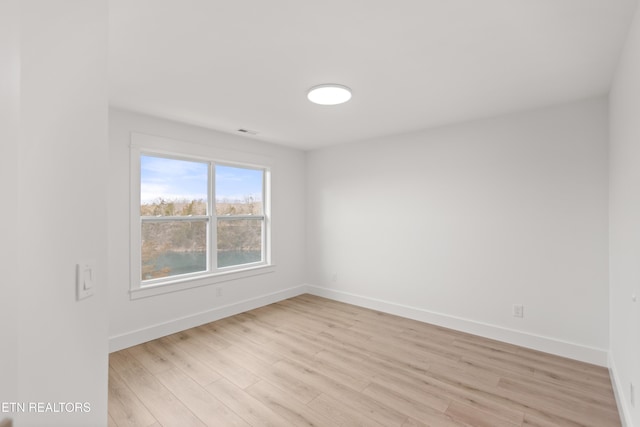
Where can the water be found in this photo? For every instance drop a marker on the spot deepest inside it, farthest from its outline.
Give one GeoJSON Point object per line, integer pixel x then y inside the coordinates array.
{"type": "Point", "coordinates": [181, 262]}
{"type": "Point", "coordinates": [175, 263]}
{"type": "Point", "coordinates": [228, 258]}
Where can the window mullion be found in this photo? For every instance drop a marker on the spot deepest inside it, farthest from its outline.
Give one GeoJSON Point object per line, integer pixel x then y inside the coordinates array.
{"type": "Point", "coordinates": [239, 217]}
{"type": "Point", "coordinates": [266, 212]}
{"type": "Point", "coordinates": [213, 220]}
{"type": "Point", "coordinates": [174, 218]}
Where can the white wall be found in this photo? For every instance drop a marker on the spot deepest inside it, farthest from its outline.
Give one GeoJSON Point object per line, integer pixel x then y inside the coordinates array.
{"type": "Point", "coordinates": [135, 321]}
{"type": "Point", "coordinates": [61, 180]}
{"type": "Point", "coordinates": [9, 133]}
{"type": "Point", "coordinates": [625, 224]}
{"type": "Point", "coordinates": [454, 225]}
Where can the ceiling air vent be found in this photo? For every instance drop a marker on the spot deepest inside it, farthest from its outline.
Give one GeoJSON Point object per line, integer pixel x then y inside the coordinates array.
{"type": "Point", "coordinates": [248, 131]}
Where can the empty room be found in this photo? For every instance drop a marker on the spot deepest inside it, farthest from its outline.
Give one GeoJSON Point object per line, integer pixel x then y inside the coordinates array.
{"type": "Point", "coordinates": [296, 213]}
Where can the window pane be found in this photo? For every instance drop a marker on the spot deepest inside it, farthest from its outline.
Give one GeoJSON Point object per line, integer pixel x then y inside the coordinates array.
{"type": "Point", "coordinates": [239, 241]}
{"type": "Point", "coordinates": [173, 247]}
{"type": "Point", "coordinates": [238, 191]}
{"type": "Point", "coordinates": [171, 187]}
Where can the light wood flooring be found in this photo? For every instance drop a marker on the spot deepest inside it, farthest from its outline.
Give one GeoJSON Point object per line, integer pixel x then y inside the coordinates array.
{"type": "Point", "coordinates": [309, 361]}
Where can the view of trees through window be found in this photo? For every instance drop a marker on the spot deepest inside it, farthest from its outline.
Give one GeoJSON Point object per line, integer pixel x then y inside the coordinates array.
{"type": "Point", "coordinates": [175, 224]}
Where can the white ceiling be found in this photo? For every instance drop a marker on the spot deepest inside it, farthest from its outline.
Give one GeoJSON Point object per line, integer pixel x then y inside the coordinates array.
{"type": "Point", "coordinates": [412, 64]}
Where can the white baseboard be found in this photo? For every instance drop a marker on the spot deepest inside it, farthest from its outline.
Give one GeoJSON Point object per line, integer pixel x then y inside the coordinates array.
{"type": "Point", "coordinates": [140, 336]}
{"type": "Point", "coordinates": [570, 350]}
{"type": "Point", "coordinates": [623, 408]}
{"type": "Point", "coordinates": [536, 342]}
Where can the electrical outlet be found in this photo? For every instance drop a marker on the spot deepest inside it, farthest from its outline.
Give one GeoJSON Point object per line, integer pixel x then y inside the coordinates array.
{"type": "Point", "coordinates": [518, 310]}
{"type": "Point", "coordinates": [632, 395]}
{"type": "Point", "coordinates": [218, 292]}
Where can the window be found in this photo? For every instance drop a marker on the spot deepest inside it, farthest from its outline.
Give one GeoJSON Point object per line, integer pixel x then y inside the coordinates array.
{"type": "Point", "coordinates": [240, 215]}
{"type": "Point", "coordinates": [174, 218]}
{"type": "Point", "coordinates": [196, 220]}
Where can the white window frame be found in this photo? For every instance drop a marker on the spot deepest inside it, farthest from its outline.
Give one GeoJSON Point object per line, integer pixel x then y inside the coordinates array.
{"type": "Point", "coordinates": [142, 144]}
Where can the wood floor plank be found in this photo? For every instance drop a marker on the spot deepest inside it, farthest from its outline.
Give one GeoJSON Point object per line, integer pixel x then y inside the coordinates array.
{"type": "Point", "coordinates": [472, 394]}
{"type": "Point", "coordinates": [250, 362]}
{"type": "Point", "coordinates": [533, 421]}
{"type": "Point", "coordinates": [209, 336]}
{"type": "Point", "coordinates": [212, 338]}
{"type": "Point", "coordinates": [276, 375]}
{"type": "Point", "coordinates": [363, 403]}
{"type": "Point", "coordinates": [152, 360]}
{"type": "Point", "coordinates": [125, 408]}
{"type": "Point", "coordinates": [386, 355]}
{"type": "Point", "coordinates": [424, 351]}
{"type": "Point", "coordinates": [485, 377]}
{"type": "Point", "coordinates": [465, 393]}
{"type": "Point", "coordinates": [121, 361]}
{"type": "Point", "coordinates": [471, 416]}
{"type": "Point", "coordinates": [111, 422]}
{"type": "Point", "coordinates": [289, 345]}
{"type": "Point", "coordinates": [342, 414]}
{"type": "Point", "coordinates": [408, 405]}
{"type": "Point", "coordinates": [289, 318]}
{"type": "Point", "coordinates": [172, 351]}
{"type": "Point", "coordinates": [414, 387]}
{"type": "Point", "coordinates": [514, 399]}
{"type": "Point", "coordinates": [285, 405]}
{"type": "Point", "coordinates": [219, 361]}
{"type": "Point", "coordinates": [331, 364]}
{"type": "Point", "coordinates": [242, 325]}
{"type": "Point", "coordinates": [500, 362]}
{"type": "Point", "coordinates": [576, 380]}
{"type": "Point", "coordinates": [547, 359]}
{"type": "Point", "coordinates": [317, 362]}
{"type": "Point", "coordinates": [568, 396]}
{"type": "Point", "coordinates": [229, 337]}
{"type": "Point", "coordinates": [205, 406]}
{"type": "Point", "coordinates": [344, 312]}
{"type": "Point", "coordinates": [320, 316]}
{"type": "Point", "coordinates": [164, 406]}
{"type": "Point", "coordinates": [561, 405]}
{"type": "Point", "coordinates": [246, 406]}
{"type": "Point", "coordinates": [322, 362]}
{"type": "Point", "coordinates": [412, 422]}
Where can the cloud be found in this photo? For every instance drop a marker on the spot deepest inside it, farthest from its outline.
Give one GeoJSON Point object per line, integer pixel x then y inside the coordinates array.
{"type": "Point", "coordinates": [172, 179]}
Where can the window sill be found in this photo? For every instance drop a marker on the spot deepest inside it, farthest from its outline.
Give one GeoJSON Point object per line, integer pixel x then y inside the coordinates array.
{"type": "Point", "coordinates": [196, 282]}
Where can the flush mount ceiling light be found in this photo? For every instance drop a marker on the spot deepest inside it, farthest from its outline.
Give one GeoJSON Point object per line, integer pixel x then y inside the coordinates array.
{"type": "Point", "coordinates": [329, 94]}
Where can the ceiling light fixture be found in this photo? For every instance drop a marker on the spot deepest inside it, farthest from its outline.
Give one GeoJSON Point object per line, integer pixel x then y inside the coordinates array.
{"type": "Point", "coordinates": [329, 94]}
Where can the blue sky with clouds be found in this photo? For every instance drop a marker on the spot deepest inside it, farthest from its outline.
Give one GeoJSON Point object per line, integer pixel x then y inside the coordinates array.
{"type": "Point", "coordinates": [173, 179]}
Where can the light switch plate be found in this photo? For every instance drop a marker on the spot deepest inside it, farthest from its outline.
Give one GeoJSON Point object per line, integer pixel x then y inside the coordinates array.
{"type": "Point", "coordinates": [518, 310]}
{"type": "Point", "coordinates": [85, 279]}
